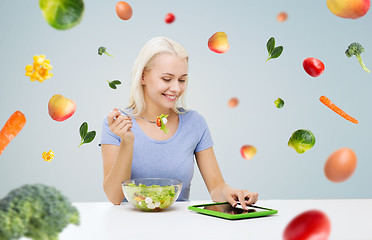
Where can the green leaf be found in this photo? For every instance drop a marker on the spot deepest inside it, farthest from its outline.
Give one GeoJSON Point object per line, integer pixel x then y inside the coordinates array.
{"type": "Point", "coordinates": [165, 129]}
{"type": "Point", "coordinates": [113, 86]}
{"type": "Point", "coordinates": [276, 52]}
{"type": "Point", "coordinates": [116, 82]}
{"type": "Point", "coordinates": [83, 130]}
{"type": "Point", "coordinates": [89, 137]}
{"type": "Point", "coordinates": [270, 45]}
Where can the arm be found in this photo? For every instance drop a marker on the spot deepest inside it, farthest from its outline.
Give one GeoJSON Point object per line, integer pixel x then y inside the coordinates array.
{"type": "Point", "coordinates": [215, 183]}
{"type": "Point", "coordinates": [117, 165]}
{"type": "Point", "coordinates": [117, 160]}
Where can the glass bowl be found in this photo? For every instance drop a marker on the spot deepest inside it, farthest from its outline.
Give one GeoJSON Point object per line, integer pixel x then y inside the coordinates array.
{"type": "Point", "coordinates": [151, 194]}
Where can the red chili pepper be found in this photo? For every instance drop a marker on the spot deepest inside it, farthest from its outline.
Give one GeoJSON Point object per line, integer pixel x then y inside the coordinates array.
{"type": "Point", "coordinates": [314, 67]}
{"type": "Point", "coordinates": [158, 122]}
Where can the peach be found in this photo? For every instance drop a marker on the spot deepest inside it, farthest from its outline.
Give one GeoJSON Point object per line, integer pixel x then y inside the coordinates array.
{"type": "Point", "coordinates": [349, 8]}
{"type": "Point", "coordinates": [61, 108]}
{"type": "Point", "coordinates": [248, 151]}
{"type": "Point", "coordinates": [218, 42]}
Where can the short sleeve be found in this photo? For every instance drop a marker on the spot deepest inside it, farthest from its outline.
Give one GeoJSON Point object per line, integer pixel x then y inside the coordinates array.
{"type": "Point", "coordinates": [107, 136]}
{"type": "Point", "coordinates": [205, 141]}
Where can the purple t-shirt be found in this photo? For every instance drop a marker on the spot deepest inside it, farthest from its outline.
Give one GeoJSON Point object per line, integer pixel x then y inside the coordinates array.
{"type": "Point", "coordinates": [171, 158]}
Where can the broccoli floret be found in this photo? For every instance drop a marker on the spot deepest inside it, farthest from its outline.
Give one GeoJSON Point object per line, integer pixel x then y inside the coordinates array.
{"type": "Point", "coordinates": [356, 49]}
{"type": "Point", "coordinates": [35, 211]}
{"type": "Point", "coordinates": [11, 225]}
{"type": "Point", "coordinates": [102, 50]}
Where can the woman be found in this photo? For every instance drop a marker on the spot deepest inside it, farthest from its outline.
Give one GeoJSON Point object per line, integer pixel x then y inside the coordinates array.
{"type": "Point", "coordinates": [133, 147]}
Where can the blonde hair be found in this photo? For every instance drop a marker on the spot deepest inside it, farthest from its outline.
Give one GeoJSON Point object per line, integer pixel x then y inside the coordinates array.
{"type": "Point", "coordinates": [148, 53]}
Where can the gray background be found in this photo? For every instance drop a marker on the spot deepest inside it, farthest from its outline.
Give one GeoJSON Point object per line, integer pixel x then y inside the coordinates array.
{"type": "Point", "coordinates": [276, 172]}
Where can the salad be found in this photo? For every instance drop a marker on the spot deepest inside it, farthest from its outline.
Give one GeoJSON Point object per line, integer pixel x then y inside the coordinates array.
{"type": "Point", "coordinates": [161, 121]}
{"type": "Point", "coordinates": [150, 198]}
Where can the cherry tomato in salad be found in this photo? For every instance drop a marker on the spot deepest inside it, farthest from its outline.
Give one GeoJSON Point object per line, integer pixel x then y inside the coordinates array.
{"type": "Point", "coordinates": [169, 18]}
{"type": "Point", "coordinates": [312, 224]}
{"type": "Point", "coordinates": [314, 67]}
{"type": "Point", "coordinates": [158, 122]}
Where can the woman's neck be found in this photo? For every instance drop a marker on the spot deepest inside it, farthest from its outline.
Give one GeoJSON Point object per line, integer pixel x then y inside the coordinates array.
{"type": "Point", "coordinates": [152, 113]}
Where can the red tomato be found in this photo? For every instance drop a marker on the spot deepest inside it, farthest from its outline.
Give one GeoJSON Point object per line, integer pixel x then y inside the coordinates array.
{"type": "Point", "coordinates": [314, 67]}
{"type": "Point", "coordinates": [169, 18]}
{"type": "Point", "coordinates": [158, 122]}
{"type": "Point", "coordinates": [124, 10]}
{"type": "Point", "coordinates": [312, 224]}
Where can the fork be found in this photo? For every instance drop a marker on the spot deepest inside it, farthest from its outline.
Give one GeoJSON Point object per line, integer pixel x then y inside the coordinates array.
{"type": "Point", "coordinates": [132, 116]}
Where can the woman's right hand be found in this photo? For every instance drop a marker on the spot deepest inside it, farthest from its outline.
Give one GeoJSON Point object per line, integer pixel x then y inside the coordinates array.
{"type": "Point", "coordinates": [121, 125]}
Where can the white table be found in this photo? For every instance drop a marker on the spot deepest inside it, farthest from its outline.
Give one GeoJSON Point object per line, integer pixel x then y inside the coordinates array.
{"type": "Point", "coordinates": [350, 220]}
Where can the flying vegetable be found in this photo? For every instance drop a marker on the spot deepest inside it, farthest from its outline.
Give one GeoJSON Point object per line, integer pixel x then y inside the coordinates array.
{"type": "Point", "coordinates": [62, 14]}
{"type": "Point", "coordinates": [279, 103]}
{"type": "Point", "coordinates": [35, 211]}
{"type": "Point", "coordinates": [301, 140]}
{"type": "Point", "coordinates": [102, 50]}
{"type": "Point", "coordinates": [356, 49]}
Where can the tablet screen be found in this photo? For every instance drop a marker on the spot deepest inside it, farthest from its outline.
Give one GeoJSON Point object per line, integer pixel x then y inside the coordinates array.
{"type": "Point", "coordinates": [227, 208]}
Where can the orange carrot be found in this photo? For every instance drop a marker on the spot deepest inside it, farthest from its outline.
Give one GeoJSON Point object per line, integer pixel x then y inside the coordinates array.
{"type": "Point", "coordinates": [336, 109]}
{"type": "Point", "coordinates": [11, 128]}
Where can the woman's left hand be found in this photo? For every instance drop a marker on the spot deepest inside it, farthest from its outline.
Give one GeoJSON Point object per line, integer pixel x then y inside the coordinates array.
{"type": "Point", "coordinates": [232, 195]}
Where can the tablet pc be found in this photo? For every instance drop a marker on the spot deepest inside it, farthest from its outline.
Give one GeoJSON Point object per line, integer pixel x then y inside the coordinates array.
{"type": "Point", "coordinates": [225, 210]}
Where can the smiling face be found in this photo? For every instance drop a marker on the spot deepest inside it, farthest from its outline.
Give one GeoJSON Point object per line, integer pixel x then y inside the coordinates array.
{"type": "Point", "coordinates": [165, 81]}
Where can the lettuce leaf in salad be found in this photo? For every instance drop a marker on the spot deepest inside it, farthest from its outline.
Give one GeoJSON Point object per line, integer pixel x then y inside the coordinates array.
{"type": "Point", "coordinates": [162, 126]}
